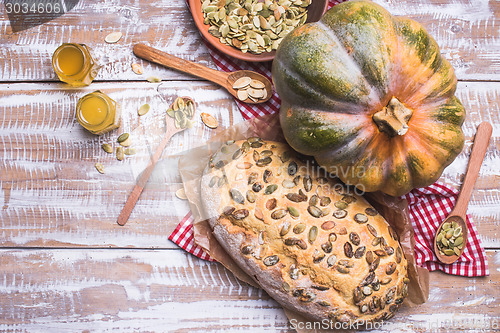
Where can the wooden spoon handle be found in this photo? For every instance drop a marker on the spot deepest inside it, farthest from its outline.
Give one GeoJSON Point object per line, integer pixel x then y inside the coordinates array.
{"type": "Point", "coordinates": [481, 142]}
{"type": "Point", "coordinates": [162, 58]}
{"type": "Point", "coordinates": [143, 179]}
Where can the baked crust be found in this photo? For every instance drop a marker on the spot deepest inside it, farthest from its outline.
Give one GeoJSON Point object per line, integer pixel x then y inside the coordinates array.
{"type": "Point", "coordinates": [310, 242]}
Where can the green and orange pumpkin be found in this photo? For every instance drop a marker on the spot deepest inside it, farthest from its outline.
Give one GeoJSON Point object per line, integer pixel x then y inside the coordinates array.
{"type": "Point", "coordinates": [369, 95]}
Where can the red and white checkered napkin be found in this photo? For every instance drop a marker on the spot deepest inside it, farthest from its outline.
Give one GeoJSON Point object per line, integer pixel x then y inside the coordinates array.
{"type": "Point", "coordinates": [428, 206]}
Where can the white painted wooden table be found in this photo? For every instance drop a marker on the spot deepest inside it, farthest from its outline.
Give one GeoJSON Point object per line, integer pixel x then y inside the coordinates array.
{"type": "Point", "coordinates": [66, 266]}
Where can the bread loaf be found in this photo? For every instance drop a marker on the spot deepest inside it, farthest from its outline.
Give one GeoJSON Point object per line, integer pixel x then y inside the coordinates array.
{"type": "Point", "coordinates": [314, 245]}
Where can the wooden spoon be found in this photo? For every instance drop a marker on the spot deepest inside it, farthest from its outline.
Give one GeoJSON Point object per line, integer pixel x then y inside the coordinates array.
{"type": "Point", "coordinates": [223, 79]}
{"type": "Point", "coordinates": [171, 129]}
{"type": "Point", "coordinates": [458, 214]}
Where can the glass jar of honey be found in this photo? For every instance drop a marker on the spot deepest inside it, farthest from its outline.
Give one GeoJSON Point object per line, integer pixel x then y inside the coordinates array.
{"type": "Point", "coordinates": [98, 113]}
{"type": "Point", "coordinates": [74, 65]}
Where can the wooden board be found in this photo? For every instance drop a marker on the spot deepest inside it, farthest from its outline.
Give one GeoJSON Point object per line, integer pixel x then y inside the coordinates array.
{"type": "Point", "coordinates": [51, 193]}
{"type": "Point", "coordinates": [53, 196]}
{"type": "Point", "coordinates": [467, 32]}
{"type": "Point", "coordinates": [169, 290]}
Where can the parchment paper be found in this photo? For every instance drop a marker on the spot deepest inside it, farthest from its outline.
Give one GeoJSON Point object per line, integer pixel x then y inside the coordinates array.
{"type": "Point", "coordinates": [394, 210]}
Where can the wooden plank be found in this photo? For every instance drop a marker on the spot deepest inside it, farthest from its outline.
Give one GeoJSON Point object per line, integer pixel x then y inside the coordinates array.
{"type": "Point", "coordinates": [46, 187]}
{"type": "Point", "coordinates": [466, 31]}
{"type": "Point", "coordinates": [167, 24]}
{"type": "Point", "coordinates": [51, 193]}
{"type": "Point", "coordinates": [146, 290]}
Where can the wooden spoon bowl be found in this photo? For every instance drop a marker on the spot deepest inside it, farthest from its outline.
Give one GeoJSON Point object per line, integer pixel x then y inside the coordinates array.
{"type": "Point", "coordinates": [459, 212]}
{"type": "Point", "coordinates": [223, 79]}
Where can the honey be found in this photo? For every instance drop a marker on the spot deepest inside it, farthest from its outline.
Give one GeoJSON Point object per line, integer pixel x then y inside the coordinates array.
{"type": "Point", "coordinates": [74, 64]}
{"type": "Point", "coordinates": [98, 113]}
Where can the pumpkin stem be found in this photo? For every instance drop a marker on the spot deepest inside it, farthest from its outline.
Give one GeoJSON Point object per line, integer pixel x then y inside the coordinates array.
{"type": "Point", "coordinates": [393, 119]}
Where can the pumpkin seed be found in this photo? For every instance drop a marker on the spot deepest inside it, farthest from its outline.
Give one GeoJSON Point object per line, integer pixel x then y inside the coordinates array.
{"type": "Point", "coordinates": [99, 167]}
{"type": "Point", "coordinates": [459, 241]}
{"type": "Point", "coordinates": [255, 155]}
{"type": "Point", "coordinates": [398, 255]}
{"type": "Point", "coordinates": [386, 280]}
{"type": "Point", "coordinates": [314, 200]}
{"type": "Point", "coordinates": [181, 194]}
{"type": "Point", "coordinates": [119, 154]}
{"type": "Point", "coordinates": [247, 249]}
{"type": "Point", "coordinates": [244, 165]}
{"type": "Point", "coordinates": [285, 228]}
{"type": "Point", "coordinates": [307, 183]}
{"type": "Point", "coordinates": [228, 210]}
{"type": "Point", "coordinates": [261, 238]}
{"type": "Point", "coordinates": [389, 250]}
{"type": "Point", "coordinates": [380, 253]}
{"type": "Point", "coordinates": [374, 264]}
{"type": "Point", "coordinates": [122, 137]}
{"type": "Point", "coordinates": [370, 211]}
{"type": "Point", "coordinates": [360, 251]}
{"type": "Point", "coordinates": [271, 260]}
{"type": "Point", "coordinates": [240, 214]}
{"type": "Point", "coordinates": [296, 180]}
{"type": "Point", "coordinates": [372, 230]}
{"type": "Point", "coordinates": [314, 211]}
{"type": "Point", "coordinates": [137, 69]}
{"type": "Point", "coordinates": [390, 268]}
{"type": "Point", "coordinates": [307, 297]}
{"type": "Point", "coordinates": [154, 79]}
{"type": "Point", "coordinates": [313, 233]}
{"type": "Point", "coordinates": [293, 211]}
{"type": "Point", "coordinates": [292, 168]}
{"type": "Point", "coordinates": [271, 204]}
{"type": "Point", "coordinates": [222, 180]}
{"type": "Point", "coordinates": [360, 218]}
{"type": "Point", "coordinates": [270, 189]}
{"type": "Point", "coordinates": [256, 187]}
{"type": "Point", "coordinates": [448, 252]}
{"type": "Point", "coordinates": [293, 272]}
{"type": "Point", "coordinates": [318, 257]}
{"type": "Point", "coordinates": [242, 82]}
{"type": "Point", "coordinates": [457, 251]}
{"type": "Point", "coordinates": [294, 197]}
{"type": "Point", "coordinates": [129, 151]}
{"type": "Point", "coordinates": [341, 205]}
{"type": "Point", "coordinates": [286, 287]}
{"type": "Point", "coordinates": [285, 156]}
{"type": "Point", "coordinates": [323, 303]}
{"type": "Point", "coordinates": [328, 225]}
{"type": "Point", "coordinates": [299, 228]}
{"type": "Point", "coordinates": [258, 214]}
{"type": "Point", "coordinates": [237, 196]}
{"type": "Point", "coordinates": [143, 110]}
{"type": "Point", "coordinates": [288, 183]}
{"type": "Point", "coordinates": [331, 260]}
{"type": "Point", "coordinates": [213, 181]}
{"type": "Point", "coordinates": [367, 291]}
{"type": "Point", "coordinates": [327, 247]}
{"type": "Point", "coordinates": [343, 270]}
{"type": "Point", "coordinates": [251, 197]}
{"type": "Point", "coordinates": [339, 214]}
{"type": "Point", "coordinates": [237, 154]}
{"type": "Point", "coordinates": [209, 120]}
{"type": "Point", "coordinates": [354, 238]}
{"type": "Point", "coordinates": [263, 161]}
{"type": "Point", "coordinates": [278, 214]}
{"type": "Point", "coordinates": [358, 295]}
{"type": "Point", "coordinates": [267, 176]}
{"type": "Point", "coordinates": [325, 201]}
{"type": "Point", "coordinates": [393, 233]}
{"type": "Point", "coordinates": [348, 250]}
{"type": "Point", "coordinates": [113, 37]}
{"type": "Point", "coordinates": [107, 148]}
{"type": "Point", "coordinates": [301, 244]}
{"type": "Point", "coordinates": [256, 144]}
{"type": "Point", "coordinates": [342, 231]}
{"type": "Point", "coordinates": [332, 237]}
{"type": "Point", "coordinates": [369, 257]}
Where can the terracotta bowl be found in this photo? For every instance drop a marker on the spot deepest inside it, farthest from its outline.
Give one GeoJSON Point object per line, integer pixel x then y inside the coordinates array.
{"type": "Point", "coordinates": [315, 11]}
